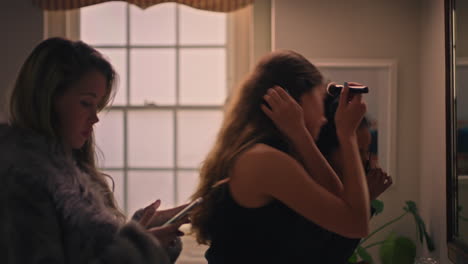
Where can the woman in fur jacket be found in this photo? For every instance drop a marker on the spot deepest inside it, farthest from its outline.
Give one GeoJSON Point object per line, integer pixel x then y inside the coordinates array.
{"type": "Point", "coordinates": [55, 205]}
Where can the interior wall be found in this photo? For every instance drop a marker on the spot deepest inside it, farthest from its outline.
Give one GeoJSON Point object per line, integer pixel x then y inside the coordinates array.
{"type": "Point", "coordinates": [368, 29]}
{"type": "Point", "coordinates": [21, 28]}
{"type": "Point", "coordinates": [432, 132]}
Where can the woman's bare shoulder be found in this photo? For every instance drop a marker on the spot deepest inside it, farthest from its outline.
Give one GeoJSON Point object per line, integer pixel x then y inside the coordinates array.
{"type": "Point", "coordinates": [261, 157]}
{"type": "Point", "coordinates": [254, 168]}
{"type": "Point", "coordinates": [260, 150]}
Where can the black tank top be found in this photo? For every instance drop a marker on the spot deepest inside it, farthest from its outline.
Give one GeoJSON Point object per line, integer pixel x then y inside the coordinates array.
{"type": "Point", "coordinates": [273, 233]}
{"type": "Point", "coordinates": [270, 234]}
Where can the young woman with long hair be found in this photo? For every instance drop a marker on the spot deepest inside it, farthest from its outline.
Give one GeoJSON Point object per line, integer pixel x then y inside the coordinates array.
{"type": "Point", "coordinates": [270, 196]}
{"type": "Point", "coordinates": [55, 205]}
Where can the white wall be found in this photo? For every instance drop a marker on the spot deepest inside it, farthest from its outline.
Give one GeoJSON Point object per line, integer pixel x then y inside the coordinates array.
{"type": "Point", "coordinates": [432, 132]}
{"type": "Point", "coordinates": [21, 29]}
{"type": "Point", "coordinates": [412, 33]}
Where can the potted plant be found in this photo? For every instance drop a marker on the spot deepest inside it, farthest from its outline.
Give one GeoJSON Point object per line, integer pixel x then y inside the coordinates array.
{"type": "Point", "coordinates": [395, 249]}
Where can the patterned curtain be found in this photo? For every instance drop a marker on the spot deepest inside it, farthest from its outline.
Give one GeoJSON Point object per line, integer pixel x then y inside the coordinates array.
{"type": "Point", "coordinates": [211, 5]}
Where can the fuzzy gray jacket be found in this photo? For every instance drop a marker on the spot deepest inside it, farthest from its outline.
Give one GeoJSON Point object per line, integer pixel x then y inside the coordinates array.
{"type": "Point", "coordinates": [50, 212]}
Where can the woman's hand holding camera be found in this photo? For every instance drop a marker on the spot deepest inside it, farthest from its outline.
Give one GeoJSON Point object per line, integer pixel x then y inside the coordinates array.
{"type": "Point", "coordinates": [378, 182]}
{"type": "Point", "coordinates": [351, 110]}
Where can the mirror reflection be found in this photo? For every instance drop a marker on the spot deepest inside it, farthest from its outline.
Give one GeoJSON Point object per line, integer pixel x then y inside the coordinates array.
{"type": "Point", "coordinates": [461, 93]}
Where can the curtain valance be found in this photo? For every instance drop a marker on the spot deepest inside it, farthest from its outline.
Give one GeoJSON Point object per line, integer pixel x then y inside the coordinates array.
{"type": "Point", "coordinates": [211, 5]}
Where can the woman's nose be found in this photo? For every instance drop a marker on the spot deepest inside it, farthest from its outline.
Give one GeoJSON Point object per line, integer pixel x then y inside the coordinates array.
{"type": "Point", "coordinates": [94, 118]}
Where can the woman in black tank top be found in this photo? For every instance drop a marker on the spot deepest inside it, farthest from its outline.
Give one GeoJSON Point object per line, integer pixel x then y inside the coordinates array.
{"type": "Point", "coordinates": [282, 199]}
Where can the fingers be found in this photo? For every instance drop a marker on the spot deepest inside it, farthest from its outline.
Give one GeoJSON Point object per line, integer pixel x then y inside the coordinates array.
{"type": "Point", "coordinates": [166, 234]}
{"type": "Point", "coordinates": [273, 98]}
{"type": "Point", "coordinates": [276, 97]}
{"type": "Point", "coordinates": [183, 220]}
{"type": "Point", "coordinates": [356, 98]}
{"type": "Point", "coordinates": [388, 181]}
{"type": "Point", "coordinates": [378, 182]}
{"type": "Point", "coordinates": [164, 231]}
{"type": "Point", "coordinates": [267, 111]}
{"type": "Point", "coordinates": [348, 97]}
{"type": "Point", "coordinates": [278, 100]}
{"type": "Point", "coordinates": [344, 96]}
{"type": "Point", "coordinates": [285, 113]}
{"type": "Point", "coordinates": [371, 174]}
{"type": "Point", "coordinates": [282, 93]}
{"type": "Point", "coordinates": [379, 177]}
{"type": "Point", "coordinates": [149, 212]}
{"type": "Point", "coordinates": [179, 208]}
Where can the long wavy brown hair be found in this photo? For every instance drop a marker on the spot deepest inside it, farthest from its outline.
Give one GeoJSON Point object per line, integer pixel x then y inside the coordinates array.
{"type": "Point", "coordinates": [245, 124]}
{"type": "Point", "coordinates": [53, 67]}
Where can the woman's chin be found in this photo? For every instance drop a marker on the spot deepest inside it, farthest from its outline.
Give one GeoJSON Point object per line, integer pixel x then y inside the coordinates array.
{"type": "Point", "coordinates": [78, 145]}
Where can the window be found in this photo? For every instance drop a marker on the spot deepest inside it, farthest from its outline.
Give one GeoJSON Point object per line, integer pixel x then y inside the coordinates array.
{"type": "Point", "coordinates": [172, 63]}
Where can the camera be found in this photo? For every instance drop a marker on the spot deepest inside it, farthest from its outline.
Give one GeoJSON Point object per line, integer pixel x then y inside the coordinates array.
{"type": "Point", "coordinates": [334, 89]}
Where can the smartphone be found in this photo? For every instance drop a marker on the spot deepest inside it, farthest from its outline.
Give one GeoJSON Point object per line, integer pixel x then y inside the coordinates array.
{"type": "Point", "coordinates": [184, 212]}
{"type": "Point", "coordinates": [335, 89]}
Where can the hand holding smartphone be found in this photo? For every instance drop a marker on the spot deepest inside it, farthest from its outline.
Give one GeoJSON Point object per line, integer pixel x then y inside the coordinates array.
{"type": "Point", "coordinates": [184, 212]}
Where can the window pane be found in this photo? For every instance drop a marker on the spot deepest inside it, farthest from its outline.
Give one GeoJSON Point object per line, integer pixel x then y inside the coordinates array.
{"type": "Point", "coordinates": [152, 76]}
{"type": "Point", "coordinates": [117, 58]}
{"type": "Point", "coordinates": [118, 178]}
{"type": "Point", "coordinates": [203, 76]}
{"type": "Point", "coordinates": [196, 135]}
{"type": "Point", "coordinates": [144, 187]}
{"type": "Point", "coordinates": [187, 182]}
{"type": "Point", "coordinates": [153, 26]}
{"type": "Point", "coordinates": [151, 138]}
{"type": "Point", "coordinates": [104, 24]}
{"type": "Point", "coordinates": [201, 27]}
{"type": "Point", "coordinates": [109, 138]}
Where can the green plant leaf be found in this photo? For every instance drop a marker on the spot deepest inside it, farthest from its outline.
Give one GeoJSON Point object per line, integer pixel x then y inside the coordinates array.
{"type": "Point", "coordinates": [397, 250]}
{"type": "Point", "coordinates": [378, 206]}
{"type": "Point", "coordinates": [353, 258]}
{"type": "Point", "coordinates": [421, 226]}
{"type": "Point", "coordinates": [364, 255]}
{"type": "Point", "coordinates": [429, 242]}
{"type": "Point", "coordinates": [413, 209]}
{"type": "Point", "coordinates": [411, 206]}
{"type": "Point", "coordinates": [396, 219]}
